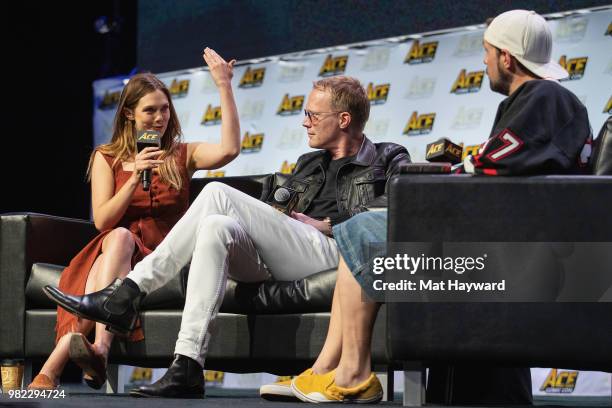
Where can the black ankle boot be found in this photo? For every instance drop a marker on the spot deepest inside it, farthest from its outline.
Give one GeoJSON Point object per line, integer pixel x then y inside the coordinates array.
{"type": "Point", "coordinates": [184, 379]}
{"type": "Point", "coordinates": [116, 305]}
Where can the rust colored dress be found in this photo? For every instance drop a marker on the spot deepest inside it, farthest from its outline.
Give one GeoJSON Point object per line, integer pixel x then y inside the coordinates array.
{"type": "Point", "coordinates": [150, 216]}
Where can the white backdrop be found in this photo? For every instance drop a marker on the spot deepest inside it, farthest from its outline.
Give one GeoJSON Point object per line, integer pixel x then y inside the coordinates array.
{"type": "Point", "coordinates": [422, 87]}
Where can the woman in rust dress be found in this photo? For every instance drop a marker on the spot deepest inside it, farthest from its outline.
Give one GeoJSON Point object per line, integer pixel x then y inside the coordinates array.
{"type": "Point", "coordinates": [131, 221]}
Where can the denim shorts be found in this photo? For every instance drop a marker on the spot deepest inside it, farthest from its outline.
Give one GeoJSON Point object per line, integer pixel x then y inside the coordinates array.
{"type": "Point", "coordinates": [360, 239]}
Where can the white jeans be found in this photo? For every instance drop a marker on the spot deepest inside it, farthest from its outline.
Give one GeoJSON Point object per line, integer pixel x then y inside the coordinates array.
{"type": "Point", "coordinates": [228, 233]}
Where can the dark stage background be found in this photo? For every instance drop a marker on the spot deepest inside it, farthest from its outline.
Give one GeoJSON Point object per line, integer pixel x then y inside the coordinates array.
{"type": "Point", "coordinates": [53, 54]}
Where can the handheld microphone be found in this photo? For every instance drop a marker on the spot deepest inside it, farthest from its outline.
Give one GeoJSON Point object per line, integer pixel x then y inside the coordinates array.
{"type": "Point", "coordinates": [443, 150]}
{"type": "Point", "coordinates": [147, 138]}
{"type": "Point", "coordinates": [284, 199]}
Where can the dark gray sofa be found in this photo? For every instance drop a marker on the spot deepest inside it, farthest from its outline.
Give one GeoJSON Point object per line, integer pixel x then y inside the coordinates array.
{"type": "Point", "coordinates": [256, 334]}
{"type": "Point", "coordinates": [276, 327]}
{"type": "Point", "coordinates": [463, 338]}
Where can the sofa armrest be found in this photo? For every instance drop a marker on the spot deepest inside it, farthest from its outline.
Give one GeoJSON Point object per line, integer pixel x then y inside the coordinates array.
{"type": "Point", "coordinates": [27, 238]}
{"type": "Point", "coordinates": [433, 208]}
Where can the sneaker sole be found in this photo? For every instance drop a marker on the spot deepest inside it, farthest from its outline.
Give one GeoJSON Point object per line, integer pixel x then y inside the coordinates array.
{"type": "Point", "coordinates": [306, 398]}
{"type": "Point", "coordinates": [272, 392]}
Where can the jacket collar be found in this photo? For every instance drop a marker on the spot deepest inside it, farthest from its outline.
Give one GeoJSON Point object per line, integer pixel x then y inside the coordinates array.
{"type": "Point", "coordinates": [366, 154]}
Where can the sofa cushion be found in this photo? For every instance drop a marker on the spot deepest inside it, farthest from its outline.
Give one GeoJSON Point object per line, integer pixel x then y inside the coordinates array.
{"type": "Point", "coordinates": [170, 296]}
{"type": "Point", "coordinates": [309, 295]}
{"type": "Point", "coordinates": [312, 294]}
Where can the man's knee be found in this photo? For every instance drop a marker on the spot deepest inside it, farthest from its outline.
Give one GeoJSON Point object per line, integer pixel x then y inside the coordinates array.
{"type": "Point", "coordinates": [214, 188]}
{"type": "Point", "coordinates": [219, 226]}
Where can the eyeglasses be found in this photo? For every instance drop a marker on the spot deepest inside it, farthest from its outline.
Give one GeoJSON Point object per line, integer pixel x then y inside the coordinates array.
{"type": "Point", "coordinates": [315, 117]}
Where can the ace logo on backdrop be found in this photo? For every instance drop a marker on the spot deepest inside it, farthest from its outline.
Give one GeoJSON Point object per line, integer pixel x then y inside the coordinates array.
{"type": "Point", "coordinates": [290, 105]}
{"type": "Point", "coordinates": [419, 124]}
{"type": "Point", "coordinates": [287, 168]}
{"type": "Point", "coordinates": [179, 89]}
{"type": "Point", "coordinates": [575, 67]}
{"type": "Point", "coordinates": [608, 108]}
{"type": "Point", "coordinates": [252, 77]}
{"type": "Point", "coordinates": [212, 116]}
{"type": "Point", "coordinates": [377, 94]}
{"type": "Point", "coordinates": [467, 82]}
{"type": "Point", "coordinates": [419, 54]}
{"type": "Point", "coordinates": [333, 65]}
{"type": "Point", "coordinates": [251, 143]}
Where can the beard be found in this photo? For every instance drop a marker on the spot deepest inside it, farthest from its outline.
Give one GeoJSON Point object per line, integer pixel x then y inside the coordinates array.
{"type": "Point", "coordinates": [502, 83]}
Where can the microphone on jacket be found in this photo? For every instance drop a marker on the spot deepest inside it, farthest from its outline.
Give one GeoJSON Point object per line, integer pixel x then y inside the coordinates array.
{"type": "Point", "coordinates": [283, 199]}
{"type": "Point", "coordinates": [147, 138]}
{"type": "Point", "coordinates": [443, 150]}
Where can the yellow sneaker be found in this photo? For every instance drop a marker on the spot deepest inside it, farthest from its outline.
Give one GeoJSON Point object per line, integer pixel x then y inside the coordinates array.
{"type": "Point", "coordinates": [322, 388]}
{"type": "Point", "coordinates": [280, 390]}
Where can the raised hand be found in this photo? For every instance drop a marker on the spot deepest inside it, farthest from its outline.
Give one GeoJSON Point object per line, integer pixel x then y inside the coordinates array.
{"type": "Point", "coordinates": [220, 70]}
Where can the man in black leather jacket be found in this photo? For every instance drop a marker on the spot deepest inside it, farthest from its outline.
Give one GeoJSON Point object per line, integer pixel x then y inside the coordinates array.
{"type": "Point", "coordinates": [360, 182]}
{"type": "Point", "coordinates": [228, 233]}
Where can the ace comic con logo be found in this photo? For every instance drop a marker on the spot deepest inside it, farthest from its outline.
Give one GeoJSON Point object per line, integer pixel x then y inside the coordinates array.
{"type": "Point", "coordinates": [251, 143]}
{"type": "Point", "coordinates": [575, 67]}
{"type": "Point", "coordinates": [290, 105]}
{"type": "Point", "coordinates": [212, 116]}
{"type": "Point", "coordinates": [179, 88]}
{"type": "Point", "coordinates": [560, 382]}
{"type": "Point", "coordinates": [421, 53]}
{"type": "Point", "coordinates": [467, 82]}
{"type": "Point", "coordinates": [419, 124]}
{"type": "Point", "coordinates": [252, 77]}
{"type": "Point", "coordinates": [378, 94]}
{"type": "Point", "coordinates": [287, 168]}
{"type": "Point", "coordinates": [333, 65]}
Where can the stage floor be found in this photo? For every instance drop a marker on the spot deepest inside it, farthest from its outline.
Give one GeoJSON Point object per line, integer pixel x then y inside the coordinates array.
{"type": "Point", "coordinates": [81, 396]}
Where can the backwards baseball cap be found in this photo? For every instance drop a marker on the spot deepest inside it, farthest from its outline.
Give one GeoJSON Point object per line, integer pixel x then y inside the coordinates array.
{"type": "Point", "coordinates": [527, 37]}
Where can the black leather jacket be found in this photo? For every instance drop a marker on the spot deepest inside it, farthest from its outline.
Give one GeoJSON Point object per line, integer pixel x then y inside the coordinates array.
{"type": "Point", "coordinates": [360, 184]}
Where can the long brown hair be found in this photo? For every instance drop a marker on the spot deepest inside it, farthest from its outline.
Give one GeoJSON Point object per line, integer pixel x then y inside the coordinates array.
{"type": "Point", "coordinates": [123, 142]}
